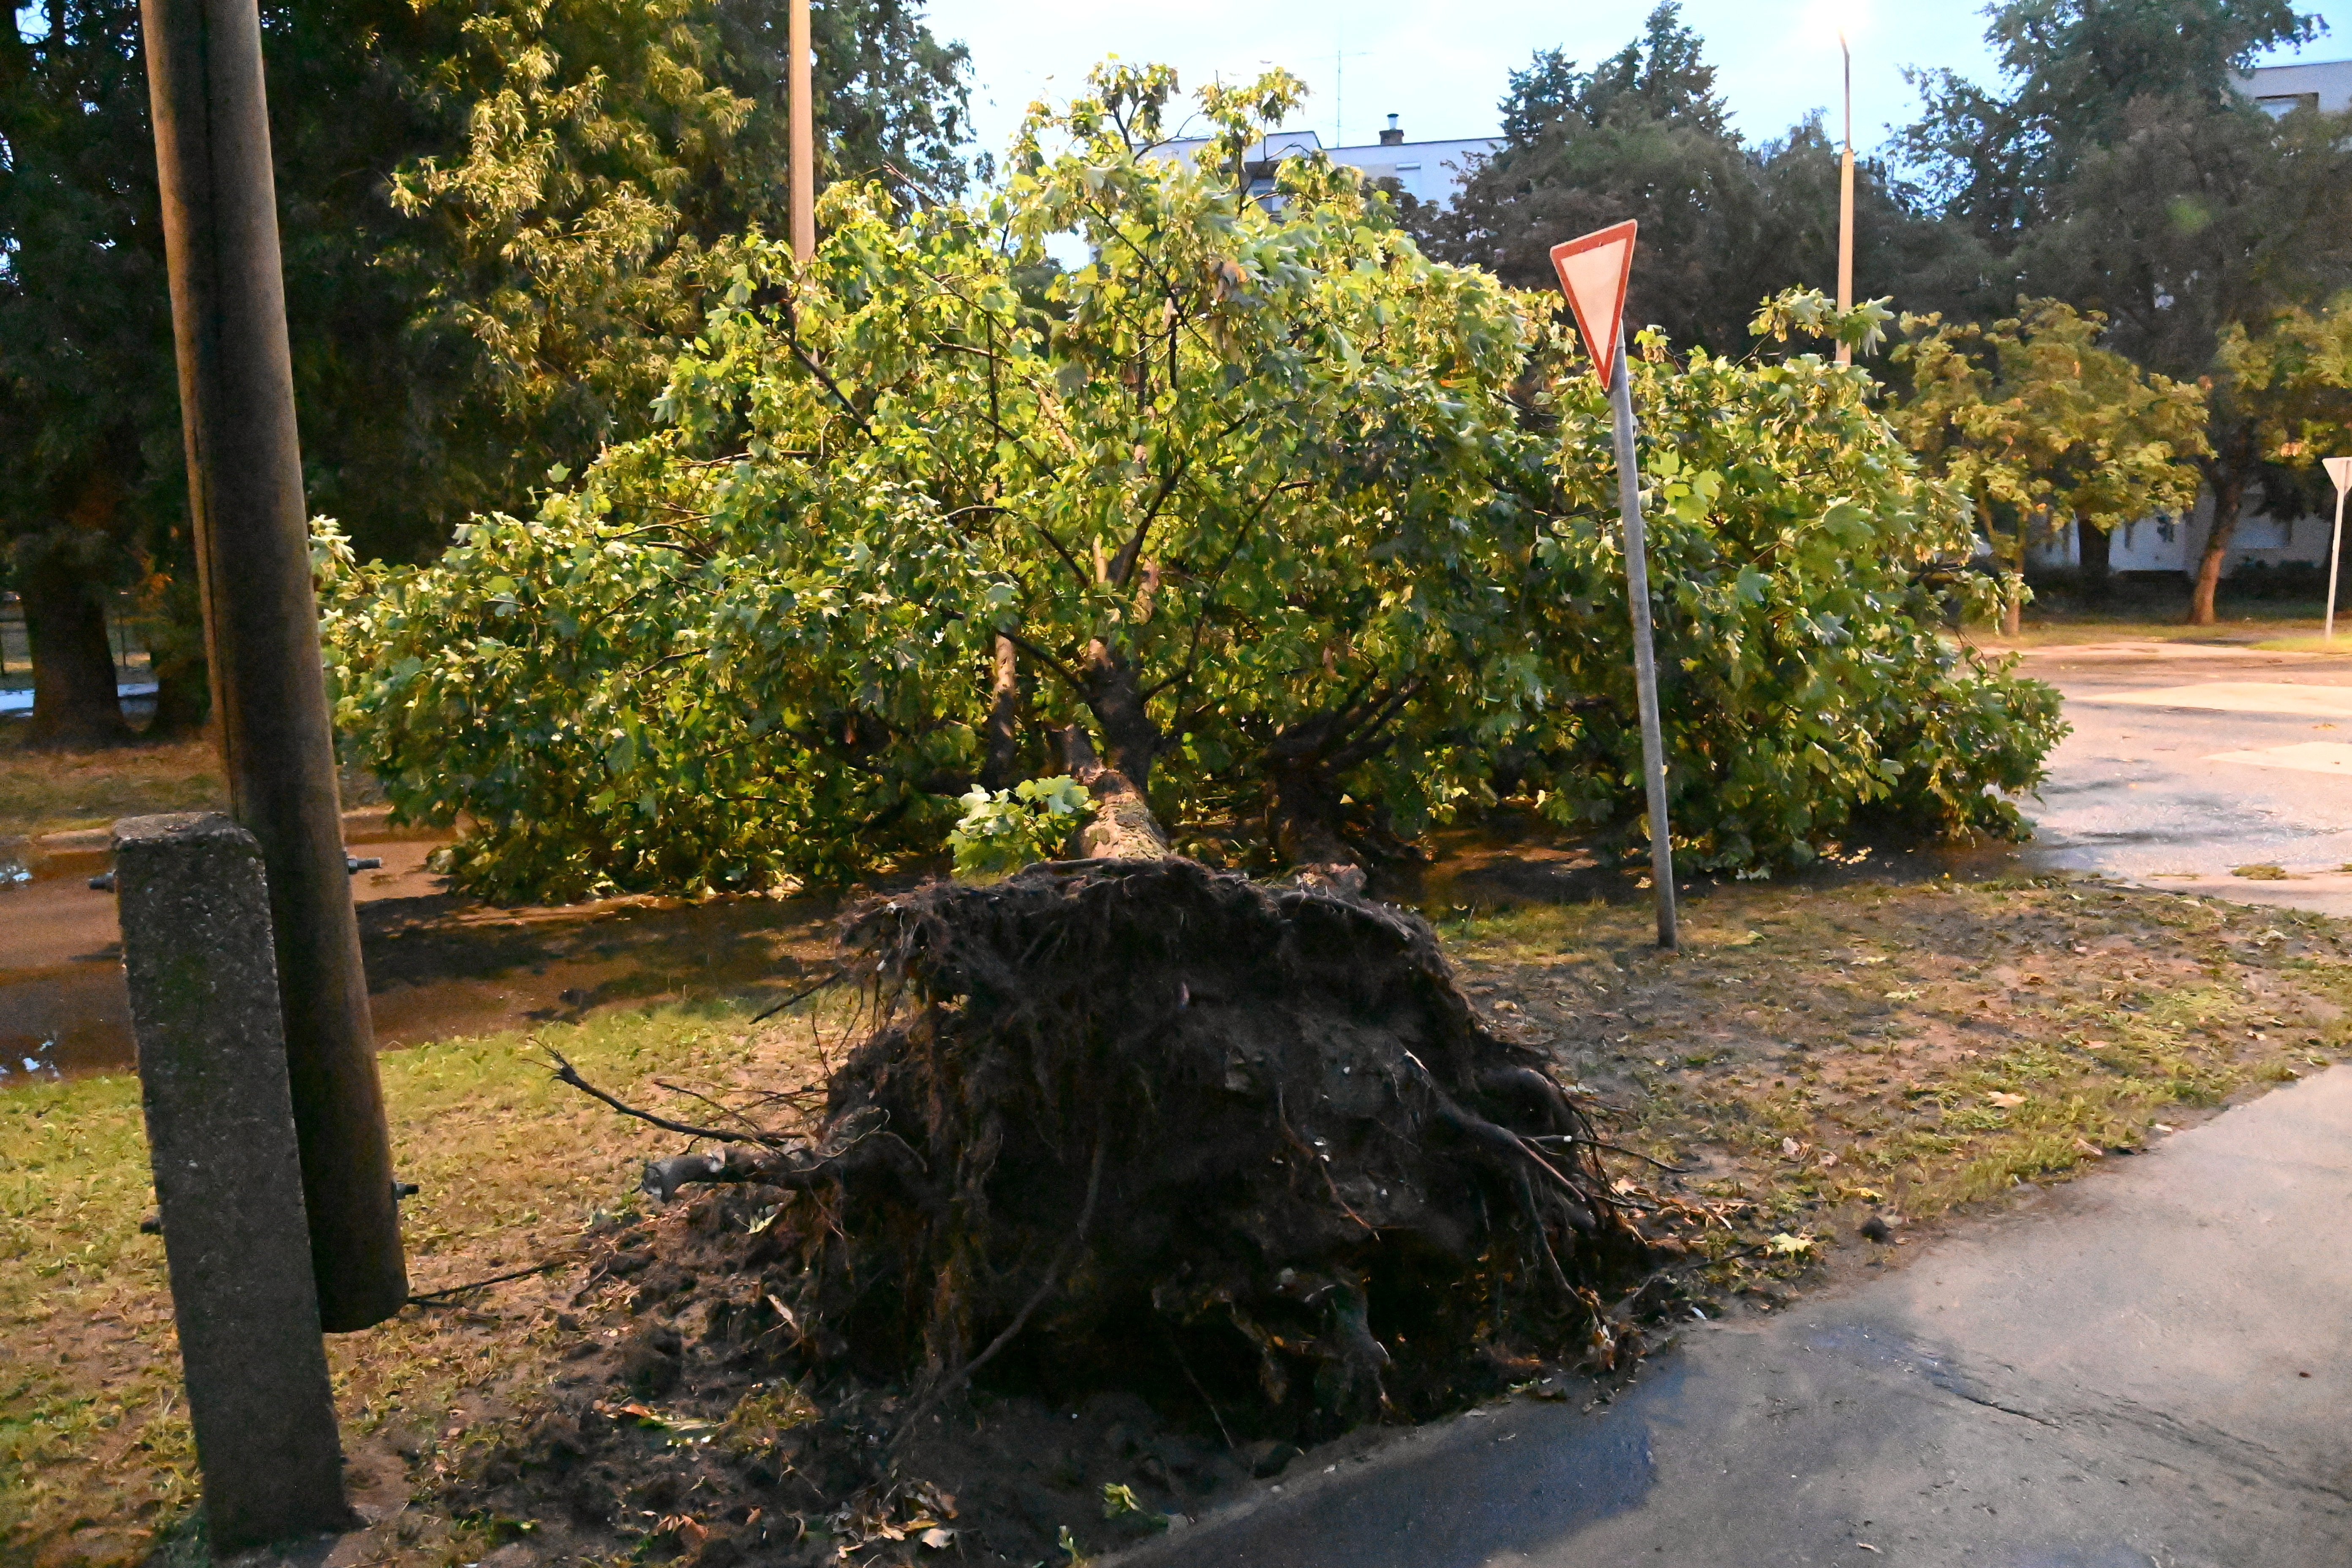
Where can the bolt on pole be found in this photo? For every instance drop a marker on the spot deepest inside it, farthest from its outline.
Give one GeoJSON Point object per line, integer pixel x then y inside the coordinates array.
{"type": "Point", "coordinates": [261, 622]}
{"type": "Point", "coordinates": [1645, 658]}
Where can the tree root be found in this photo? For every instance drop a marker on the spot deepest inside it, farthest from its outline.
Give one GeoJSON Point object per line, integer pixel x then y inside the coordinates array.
{"type": "Point", "coordinates": [1115, 1109]}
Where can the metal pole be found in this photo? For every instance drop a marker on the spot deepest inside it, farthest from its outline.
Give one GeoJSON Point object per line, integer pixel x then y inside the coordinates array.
{"type": "Point", "coordinates": [2334, 551]}
{"type": "Point", "coordinates": [803, 131]}
{"type": "Point", "coordinates": [1645, 661]}
{"type": "Point", "coordinates": [1845, 204]}
{"type": "Point", "coordinates": [261, 622]}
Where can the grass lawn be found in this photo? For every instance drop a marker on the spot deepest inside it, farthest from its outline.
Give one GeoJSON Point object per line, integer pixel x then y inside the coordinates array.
{"type": "Point", "coordinates": [52, 792]}
{"type": "Point", "coordinates": [1819, 1052]}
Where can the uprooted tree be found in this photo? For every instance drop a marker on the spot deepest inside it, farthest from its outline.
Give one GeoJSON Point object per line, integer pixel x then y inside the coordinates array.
{"type": "Point", "coordinates": [1245, 1147]}
{"type": "Point", "coordinates": [1283, 523]}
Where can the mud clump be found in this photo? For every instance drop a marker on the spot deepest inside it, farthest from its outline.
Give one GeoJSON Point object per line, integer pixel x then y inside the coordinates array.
{"type": "Point", "coordinates": [1242, 1150]}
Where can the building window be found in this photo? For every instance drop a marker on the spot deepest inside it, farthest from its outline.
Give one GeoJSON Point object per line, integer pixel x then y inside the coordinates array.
{"type": "Point", "coordinates": [2278, 106]}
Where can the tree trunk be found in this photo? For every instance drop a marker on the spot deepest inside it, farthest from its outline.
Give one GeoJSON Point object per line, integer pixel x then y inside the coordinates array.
{"type": "Point", "coordinates": [1303, 815]}
{"type": "Point", "coordinates": [1122, 827]}
{"type": "Point", "coordinates": [1130, 740]}
{"type": "Point", "coordinates": [74, 699]}
{"type": "Point", "coordinates": [2229, 495]}
{"type": "Point", "coordinates": [2095, 547]}
{"type": "Point", "coordinates": [1001, 754]}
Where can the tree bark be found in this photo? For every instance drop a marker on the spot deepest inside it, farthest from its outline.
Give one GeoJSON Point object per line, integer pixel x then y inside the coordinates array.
{"type": "Point", "coordinates": [2095, 548]}
{"type": "Point", "coordinates": [2229, 495]}
{"type": "Point", "coordinates": [1130, 740]}
{"type": "Point", "coordinates": [1122, 827]}
{"type": "Point", "coordinates": [74, 699]}
{"type": "Point", "coordinates": [1001, 754]}
{"type": "Point", "coordinates": [1302, 815]}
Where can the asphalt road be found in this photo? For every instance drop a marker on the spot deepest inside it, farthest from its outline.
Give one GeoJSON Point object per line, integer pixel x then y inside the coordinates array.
{"type": "Point", "coordinates": [2186, 762]}
{"type": "Point", "coordinates": [2150, 1365]}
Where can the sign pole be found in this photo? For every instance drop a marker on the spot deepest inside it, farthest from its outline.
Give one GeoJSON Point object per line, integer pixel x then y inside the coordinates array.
{"type": "Point", "coordinates": [1646, 659]}
{"type": "Point", "coordinates": [1594, 270]}
{"type": "Point", "coordinates": [2339, 469]}
{"type": "Point", "coordinates": [1845, 203]}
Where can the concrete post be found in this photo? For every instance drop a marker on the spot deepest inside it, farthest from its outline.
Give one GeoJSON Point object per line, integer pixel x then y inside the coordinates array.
{"type": "Point", "coordinates": [228, 1176]}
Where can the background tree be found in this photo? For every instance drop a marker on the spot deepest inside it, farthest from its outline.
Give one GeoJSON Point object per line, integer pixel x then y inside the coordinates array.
{"type": "Point", "coordinates": [495, 222]}
{"type": "Point", "coordinates": [1643, 134]}
{"type": "Point", "coordinates": [2036, 426]}
{"type": "Point", "coordinates": [2117, 169]}
{"type": "Point", "coordinates": [1996, 161]}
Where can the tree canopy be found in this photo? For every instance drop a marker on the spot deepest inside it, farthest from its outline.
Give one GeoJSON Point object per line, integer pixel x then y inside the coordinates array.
{"type": "Point", "coordinates": [2117, 169]}
{"type": "Point", "coordinates": [2035, 425]}
{"type": "Point", "coordinates": [1305, 530]}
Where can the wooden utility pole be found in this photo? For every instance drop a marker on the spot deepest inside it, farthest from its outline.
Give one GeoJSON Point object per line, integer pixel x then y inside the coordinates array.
{"type": "Point", "coordinates": [803, 129]}
{"type": "Point", "coordinates": [1845, 203]}
{"type": "Point", "coordinates": [261, 622]}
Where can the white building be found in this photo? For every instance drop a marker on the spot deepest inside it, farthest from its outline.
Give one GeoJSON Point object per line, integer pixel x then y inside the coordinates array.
{"type": "Point", "coordinates": [2169, 544]}
{"type": "Point", "coordinates": [2323, 85]}
{"type": "Point", "coordinates": [1430, 171]}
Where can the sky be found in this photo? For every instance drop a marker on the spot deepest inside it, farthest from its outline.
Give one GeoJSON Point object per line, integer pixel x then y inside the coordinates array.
{"type": "Point", "coordinates": [1441, 65]}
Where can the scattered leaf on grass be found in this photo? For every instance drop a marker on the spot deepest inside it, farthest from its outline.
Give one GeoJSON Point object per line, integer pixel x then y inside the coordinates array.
{"type": "Point", "coordinates": [1784, 1245]}
{"type": "Point", "coordinates": [2006, 1102]}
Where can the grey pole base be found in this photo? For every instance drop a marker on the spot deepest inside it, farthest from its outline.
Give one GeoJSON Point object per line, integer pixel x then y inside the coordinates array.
{"type": "Point", "coordinates": [198, 948]}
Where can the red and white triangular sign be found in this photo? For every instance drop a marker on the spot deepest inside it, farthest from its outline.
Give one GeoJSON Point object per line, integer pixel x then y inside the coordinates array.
{"type": "Point", "coordinates": [1592, 273]}
{"type": "Point", "coordinates": [2339, 469]}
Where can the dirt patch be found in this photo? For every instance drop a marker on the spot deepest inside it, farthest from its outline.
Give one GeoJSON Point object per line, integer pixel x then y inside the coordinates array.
{"type": "Point", "coordinates": [1232, 1169]}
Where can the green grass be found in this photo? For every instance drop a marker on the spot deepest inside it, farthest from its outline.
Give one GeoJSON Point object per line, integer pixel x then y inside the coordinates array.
{"type": "Point", "coordinates": [50, 792]}
{"type": "Point", "coordinates": [1927, 1047]}
{"type": "Point", "coordinates": [96, 1466]}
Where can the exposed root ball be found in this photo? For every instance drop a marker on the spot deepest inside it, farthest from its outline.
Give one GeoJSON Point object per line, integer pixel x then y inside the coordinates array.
{"type": "Point", "coordinates": [1147, 1125]}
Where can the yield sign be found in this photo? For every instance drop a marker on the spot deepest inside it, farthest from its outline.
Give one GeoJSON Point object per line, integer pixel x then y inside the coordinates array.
{"type": "Point", "coordinates": [1592, 272]}
{"type": "Point", "coordinates": [2340, 470]}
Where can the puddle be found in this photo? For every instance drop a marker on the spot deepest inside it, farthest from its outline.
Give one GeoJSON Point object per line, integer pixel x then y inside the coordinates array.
{"type": "Point", "coordinates": [39, 1065]}
{"type": "Point", "coordinates": [438, 965]}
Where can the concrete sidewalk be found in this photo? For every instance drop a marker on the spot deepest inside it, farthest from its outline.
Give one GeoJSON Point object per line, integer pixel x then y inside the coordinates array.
{"type": "Point", "coordinates": [2150, 1365]}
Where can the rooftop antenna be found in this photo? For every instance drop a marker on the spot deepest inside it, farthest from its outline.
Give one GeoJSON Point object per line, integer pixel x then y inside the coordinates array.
{"type": "Point", "coordinates": [1340, 60]}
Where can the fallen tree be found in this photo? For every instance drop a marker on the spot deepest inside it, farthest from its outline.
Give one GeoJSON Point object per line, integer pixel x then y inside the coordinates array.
{"type": "Point", "coordinates": [1314, 537]}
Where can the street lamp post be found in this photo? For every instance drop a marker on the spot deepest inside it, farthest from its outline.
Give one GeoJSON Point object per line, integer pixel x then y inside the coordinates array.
{"type": "Point", "coordinates": [219, 209]}
{"type": "Point", "coordinates": [2339, 470]}
{"type": "Point", "coordinates": [802, 130]}
{"type": "Point", "coordinates": [1845, 202]}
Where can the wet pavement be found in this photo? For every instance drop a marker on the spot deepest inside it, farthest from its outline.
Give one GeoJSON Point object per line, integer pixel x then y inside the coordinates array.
{"type": "Point", "coordinates": [2147, 1366]}
{"type": "Point", "coordinates": [2188, 762]}
{"type": "Point", "coordinates": [438, 965]}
